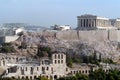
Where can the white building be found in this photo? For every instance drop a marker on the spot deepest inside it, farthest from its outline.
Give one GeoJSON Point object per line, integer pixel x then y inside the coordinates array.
{"type": "Point", "coordinates": [18, 30]}
{"type": "Point", "coordinates": [8, 35]}
{"type": "Point", "coordinates": [7, 39]}
{"type": "Point", "coordinates": [61, 27]}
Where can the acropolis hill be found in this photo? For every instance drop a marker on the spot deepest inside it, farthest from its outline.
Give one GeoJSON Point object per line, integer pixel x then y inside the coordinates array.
{"type": "Point", "coordinates": [82, 42]}
{"type": "Point", "coordinates": [93, 37]}
{"type": "Point", "coordinates": [93, 32]}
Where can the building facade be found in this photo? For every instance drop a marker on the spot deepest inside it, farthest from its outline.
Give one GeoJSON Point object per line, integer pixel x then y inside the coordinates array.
{"type": "Point", "coordinates": [91, 22]}
{"type": "Point", "coordinates": [21, 67]}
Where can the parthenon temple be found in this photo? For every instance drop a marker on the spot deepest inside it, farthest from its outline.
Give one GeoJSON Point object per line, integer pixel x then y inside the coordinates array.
{"type": "Point", "coordinates": [89, 22]}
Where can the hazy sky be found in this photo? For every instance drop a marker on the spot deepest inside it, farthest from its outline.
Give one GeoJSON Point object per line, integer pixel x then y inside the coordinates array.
{"type": "Point", "coordinates": [50, 12]}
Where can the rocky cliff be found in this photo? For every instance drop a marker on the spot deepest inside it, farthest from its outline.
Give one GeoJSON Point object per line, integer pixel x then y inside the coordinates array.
{"type": "Point", "coordinates": [105, 48]}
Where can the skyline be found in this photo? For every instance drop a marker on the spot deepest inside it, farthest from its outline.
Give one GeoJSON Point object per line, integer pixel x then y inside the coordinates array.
{"type": "Point", "coordinates": [47, 13]}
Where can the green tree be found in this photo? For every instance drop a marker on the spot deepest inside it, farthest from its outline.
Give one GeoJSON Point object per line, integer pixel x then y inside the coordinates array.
{"type": "Point", "coordinates": [7, 48]}
{"type": "Point", "coordinates": [43, 51]}
{"type": "Point", "coordinates": [98, 75]}
{"type": "Point", "coordinates": [42, 78]}
{"type": "Point", "coordinates": [69, 61]}
{"type": "Point", "coordinates": [82, 77]}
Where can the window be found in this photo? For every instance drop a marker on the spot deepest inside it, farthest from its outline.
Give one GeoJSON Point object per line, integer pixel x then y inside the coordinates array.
{"type": "Point", "coordinates": [26, 77]}
{"type": "Point", "coordinates": [74, 72]}
{"type": "Point", "coordinates": [58, 61]}
{"type": "Point", "coordinates": [61, 56]}
{"type": "Point", "coordinates": [26, 68]}
{"type": "Point", "coordinates": [30, 77]}
{"type": "Point", "coordinates": [58, 56]}
{"type": "Point", "coordinates": [35, 77]}
{"type": "Point", "coordinates": [55, 56]}
{"type": "Point", "coordinates": [31, 70]}
{"type": "Point", "coordinates": [43, 68]}
{"type": "Point", "coordinates": [22, 77]}
{"type": "Point", "coordinates": [55, 62]}
{"type": "Point", "coordinates": [47, 68]}
{"type": "Point", "coordinates": [61, 61]}
{"type": "Point", "coordinates": [22, 71]}
{"type": "Point", "coordinates": [3, 63]}
{"type": "Point", "coordinates": [80, 72]}
{"type": "Point", "coordinates": [83, 72]}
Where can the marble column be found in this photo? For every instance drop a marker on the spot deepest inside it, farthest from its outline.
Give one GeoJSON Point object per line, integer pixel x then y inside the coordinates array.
{"type": "Point", "coordinates": [95, 22]}
{"type": "Point", "coordinates": [92, 22]}
{"type": "Point", "coordinates": [80, 22]}
{"type": "Point", "coordinates": [89, 22]}
{"type": "Point", "coordinates": [85, 22]}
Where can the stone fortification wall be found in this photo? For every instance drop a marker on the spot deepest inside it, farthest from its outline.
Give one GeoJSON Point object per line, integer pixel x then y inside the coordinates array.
{"type": "Point", "coordinates": [91, 35]}
{"type": "Point", "coordinates": [48, 33]}
{"type": "Point", "coordinates": [67, 35]}
{"type": "Point", "coordinates": [74, 35]}
{"type": "Point", "coordinates": [114, 35]}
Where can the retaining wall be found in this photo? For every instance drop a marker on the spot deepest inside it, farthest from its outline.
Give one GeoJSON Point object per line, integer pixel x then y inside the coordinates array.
{"type": "Point", "coordinates": [114, 35]}
{"type": "Point", "coordinates": [67, 35]}
{"type": "Point", "coordinates": [91, 35]}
